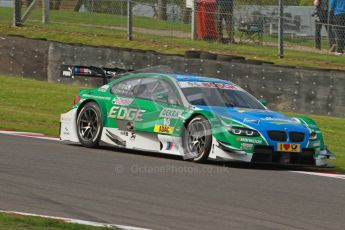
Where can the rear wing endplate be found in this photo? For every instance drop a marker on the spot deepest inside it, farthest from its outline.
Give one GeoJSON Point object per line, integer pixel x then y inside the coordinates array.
{"type": "Point", "coordinates": [71, 71]}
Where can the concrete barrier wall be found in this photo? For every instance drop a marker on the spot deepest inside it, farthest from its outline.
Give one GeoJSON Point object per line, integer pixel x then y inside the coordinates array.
{"type": "Point", "coordinates": [23, 57]}
{"type": "Point", "coordinates": [293, 89]}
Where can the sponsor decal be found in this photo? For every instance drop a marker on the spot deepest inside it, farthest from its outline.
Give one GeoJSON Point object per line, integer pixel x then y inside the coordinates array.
{"type": "Point", "coordinates": [279, 121]}
{"type": "Point", "coordinates": [245, 139]}
{"type": "Point", "coordinates": [66, 73]}
{"type": "Point", "coordinates": [284, 147]}
{"type": "Point", "coordinates": [166, 121]}
{"type": "Point", "coordinates": [66, 131]}
{"type": "Point", "coordinates": [247, 146]}
{"type": "Point", "coordinates": [122, 101]}
{"type": "Point", "coordinates": [251, 120]}
{"type": "Point", "coordinates": [103, 88]}
{"type": "Point", "coordinates": [171, 113]}
{"type": "Point", "coordinates": [133, 136]}
{"type": "Point", "coordinates": [187, 84]}
{"type": "Point", "coordinates": [96, 97]}
{"type": "Point", "coordinates": [129, 125]}
{"type": "Point", "coordinates": [82, 70]}
{"type": "Point", "coordinates": [169, 146]}
{"type": "Point", "coordinates": [124, 133]}
{"type": "Point", "coordinates": [227, 86]}
{"type": "Point", "coordinates": [315, 144]}
{"type": "Point", "coordinates": [163, 129]}
{"type": "Point", "coordinates": [111, 73]}
{"type": "Point", "coordinates": [124, 113]}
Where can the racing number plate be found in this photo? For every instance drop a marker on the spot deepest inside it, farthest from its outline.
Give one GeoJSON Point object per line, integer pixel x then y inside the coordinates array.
{"type": "Point", "coordinates": [284, 147]}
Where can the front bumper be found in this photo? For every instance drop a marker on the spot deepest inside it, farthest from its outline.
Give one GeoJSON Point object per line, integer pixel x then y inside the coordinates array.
{"type": "Point", "coordinates": [266, 154]}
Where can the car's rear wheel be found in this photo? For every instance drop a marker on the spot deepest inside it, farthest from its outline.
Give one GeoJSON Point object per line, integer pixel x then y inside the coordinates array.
{"type": "Point", "coordinates": [89, 125]}
{"type": "Point", "coordinates": [198, 139]}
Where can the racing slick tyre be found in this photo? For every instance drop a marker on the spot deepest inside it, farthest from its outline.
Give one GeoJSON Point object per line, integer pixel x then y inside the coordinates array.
{"type": "Point", "coordinates": [197, 139]}
{"type": "Point", "coordinates": [89, 125]}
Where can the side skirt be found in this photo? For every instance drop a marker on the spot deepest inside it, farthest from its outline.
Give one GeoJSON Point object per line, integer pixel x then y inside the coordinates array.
{"type": "Point", "coordinates": [144, 141]}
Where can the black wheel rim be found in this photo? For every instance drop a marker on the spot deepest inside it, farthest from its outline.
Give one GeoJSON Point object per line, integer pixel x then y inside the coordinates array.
{"type": "Point", "coordinates": [88, 124]}
{"type": "Point", "coordinates": [196, 138]}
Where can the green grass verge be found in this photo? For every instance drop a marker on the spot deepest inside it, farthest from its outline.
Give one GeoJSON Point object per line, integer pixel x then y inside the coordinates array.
{"type": "Point", "coordinates": [91, 35]}
{"type": "Point", "coordinates": [97, 19]}
{"type": "Point", "coordinates": [17, 222]}
{"type": "Point", "coordinates": [29, 105]}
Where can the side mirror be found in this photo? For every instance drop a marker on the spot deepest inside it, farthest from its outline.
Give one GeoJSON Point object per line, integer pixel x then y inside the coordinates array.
{"type": "Point", "coordinates": [263, 101]}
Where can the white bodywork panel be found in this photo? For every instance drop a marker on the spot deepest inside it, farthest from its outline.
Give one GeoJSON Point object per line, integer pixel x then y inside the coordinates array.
{"type": "Point", "coordinates": [130, 140]}
{"type": "Point", "coordinates": [68, 127]}
{"type": "Point", "coordinates": [153, 142]}
{"type": "Point", "coordinates": [217, 153]}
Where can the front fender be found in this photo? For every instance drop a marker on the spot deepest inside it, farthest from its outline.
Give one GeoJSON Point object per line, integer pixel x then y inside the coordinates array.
{"type": "Point", "coordinates": [318, 145]}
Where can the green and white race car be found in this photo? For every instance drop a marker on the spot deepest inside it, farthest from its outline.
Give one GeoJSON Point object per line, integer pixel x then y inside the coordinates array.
{"type": "Point", "coordinates": [195, 117]}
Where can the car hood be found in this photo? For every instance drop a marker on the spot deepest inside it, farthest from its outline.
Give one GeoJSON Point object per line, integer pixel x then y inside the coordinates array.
{"type": "Point", "coordinates": [261, 120]}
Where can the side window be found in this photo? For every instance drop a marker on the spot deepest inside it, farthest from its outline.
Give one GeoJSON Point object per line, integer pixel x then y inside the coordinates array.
{"type": "Point", "coordinates": [144, 90]}
{"type": "Point", "coordinates": [126, 87]}
{"type": "Point", "coordinates": [147, 88]}
{"type": "Point", "coordinates": [156, 90]}
{"type": "Point", "coordinates": [165, 93]}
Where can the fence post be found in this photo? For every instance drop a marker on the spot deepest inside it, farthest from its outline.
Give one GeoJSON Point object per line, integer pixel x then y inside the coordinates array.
{"type": "Point", "coordinates": [17, 13]}
{"type": "Point", "coordinates": [281, 30]}
{"type": "Point", "coordinates": [45, 11]}
{"type": "Point", "coordinates": [129, 20]}
{"type": "Point", "coordinates": [193, 34]}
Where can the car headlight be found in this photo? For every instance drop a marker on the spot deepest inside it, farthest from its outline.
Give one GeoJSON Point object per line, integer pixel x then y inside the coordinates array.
{"type": "Point", "coordinates": [313, 136]}
{"type": "Point", "coordinates": [243, 132]}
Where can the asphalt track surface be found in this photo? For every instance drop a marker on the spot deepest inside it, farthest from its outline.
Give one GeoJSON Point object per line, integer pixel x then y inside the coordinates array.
{"type": "Point", "coordinates": [145, 190]}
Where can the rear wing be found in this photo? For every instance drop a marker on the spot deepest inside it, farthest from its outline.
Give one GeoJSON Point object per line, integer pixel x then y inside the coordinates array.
{"type": "Point", "coordinates": [69, 71]}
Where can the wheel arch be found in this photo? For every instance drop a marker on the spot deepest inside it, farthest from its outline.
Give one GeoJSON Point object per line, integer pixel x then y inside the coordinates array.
{"type": "Point", "coordinates": [102, 108]}
{"type": "Point", "coordinates": [186, 122]}
{"type": "Point", "coordinates": [208, 116]}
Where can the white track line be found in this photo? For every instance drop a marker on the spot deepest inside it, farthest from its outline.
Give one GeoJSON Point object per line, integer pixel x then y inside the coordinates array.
{"type": "Point", "coordinates": [76, 221]}
{"type": "Point", "coordinates": [331, 175]}
{"type": "Point", "coordinates": [29, 134]}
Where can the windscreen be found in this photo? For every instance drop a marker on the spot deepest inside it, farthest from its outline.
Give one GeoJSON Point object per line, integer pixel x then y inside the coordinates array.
{"type": "Point", "coordinates": [213, 94]}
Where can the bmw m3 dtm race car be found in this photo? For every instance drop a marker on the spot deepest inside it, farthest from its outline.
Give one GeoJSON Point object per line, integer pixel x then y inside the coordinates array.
{"type": "Point", "coordinates": [198, 118]}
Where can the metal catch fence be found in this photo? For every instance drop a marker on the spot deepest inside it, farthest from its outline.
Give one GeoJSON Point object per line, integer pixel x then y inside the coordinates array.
{"type": "Point", "coordinates": [307, 25]}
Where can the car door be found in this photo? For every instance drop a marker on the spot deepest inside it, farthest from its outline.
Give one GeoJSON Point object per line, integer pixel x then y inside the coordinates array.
{"type": "Point", "coordinates": [162, 105]}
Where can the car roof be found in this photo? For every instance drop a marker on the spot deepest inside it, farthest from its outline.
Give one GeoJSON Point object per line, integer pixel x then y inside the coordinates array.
{"type": "Point", "coordinates": [185, 77]}
{"type": "Point", "coordinates": [196, 78]}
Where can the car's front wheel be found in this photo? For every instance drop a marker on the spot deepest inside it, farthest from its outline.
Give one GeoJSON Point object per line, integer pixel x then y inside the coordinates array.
{"type": "Point", "coordinates": [198, 139]}
{"type": "Point", "coordinates": [89, 125]}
